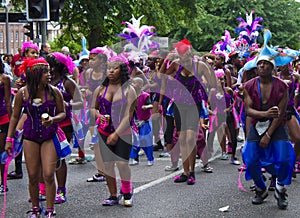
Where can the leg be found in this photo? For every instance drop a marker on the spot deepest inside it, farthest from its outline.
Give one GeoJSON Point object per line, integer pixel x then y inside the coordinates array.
{"type": "Point", "coordinates": [126, 187]}
{"type": "Point", "coordinates": [49, 159]}
{"type": "Point", "coordinates": [111, 178]}
{"type": "Point", "coordinates": [33, 163]}
{"type": "Point", "coordinates": [3, 135]}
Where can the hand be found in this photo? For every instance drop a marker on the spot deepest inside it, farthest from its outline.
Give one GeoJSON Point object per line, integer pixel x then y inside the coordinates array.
{"type": "Point", "coordinates": [160, 109]}
{"type": "Point", "coordinates": [112, 139]}
{"type": "Point", "coordinates": [273, 112]}
{"type": "Point", "coordinates": [204, 126]}
{"type": "Point", "coordinates": [47, 122]}
{"type": "Point", "coordinates": [83, 93]}
{"type": "Point", "coordinates": [102, 120]}
{"type": "Point", "coordinates": [8, 148]}
{"type": "Point", "coordinates": [264, 142]}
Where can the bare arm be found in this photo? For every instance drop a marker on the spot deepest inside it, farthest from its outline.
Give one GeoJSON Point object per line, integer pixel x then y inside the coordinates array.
{"type": "Point", "coordinates": [73, 89]}
{"type": "Point", "coordinates": [95, 104]}
{"type": "Point", "coordinates": [60, 109]}
{"type": "Point", "coordinates": [206, 70]}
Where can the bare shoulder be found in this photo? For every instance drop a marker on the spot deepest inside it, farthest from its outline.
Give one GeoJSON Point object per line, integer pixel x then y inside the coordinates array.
{"type": "Point", "coordinates": [130, 91]}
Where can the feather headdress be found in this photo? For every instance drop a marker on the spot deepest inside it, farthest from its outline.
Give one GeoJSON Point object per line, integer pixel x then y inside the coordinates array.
{"type": "Point", "coordinates": [138, 38]}
{"type": "Point", "coordinates": [31, 63]}
{"type": "Point", "coordinates": [225, 46]}
{"type": "Point", "coordinates": [248, 32]}
{"type": "Point", "coordinates": [65, 60]}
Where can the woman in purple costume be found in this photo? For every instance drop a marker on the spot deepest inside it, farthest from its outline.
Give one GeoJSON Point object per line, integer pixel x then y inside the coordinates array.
{"type": "Point", "coordinates": [219, 101]}
{"type": "Point", "coordinates": [38, 97]}
{"type": "Point", "coordinates": [115, 98]}
{"type": "Point", "coordinates": [61, 66]}
{"type": "Point", "coordinates": [29, 50]}
{"type": "Point", "coordinates": [95, 76]}
{"type": "Point", "coordinates": [186, 109]}
{"type": "Point", "coordinates": [5, 113]}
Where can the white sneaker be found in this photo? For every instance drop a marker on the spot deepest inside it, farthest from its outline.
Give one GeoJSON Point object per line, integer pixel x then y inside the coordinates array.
{"type": "Point", "coordinates": [150, 162]}
{"type": "Point", "coordinates": [164, 154]}
{"type": "Point", "coordinates": [128, 202]}
{"type": "Point", "coordinates": [171, 168]}
{"type": "Point", "coordinates": [132, 162]}
{"type": "Point", "coordinates": [239, 139]}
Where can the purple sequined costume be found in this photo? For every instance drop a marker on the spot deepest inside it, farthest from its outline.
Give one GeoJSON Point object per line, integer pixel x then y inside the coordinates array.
{"type": "Point", "coordinates": [121, 150]}
{"type": "Point", "coordinates": [187, 100]}
{"type": "Point", "coordinates": [33, 128]}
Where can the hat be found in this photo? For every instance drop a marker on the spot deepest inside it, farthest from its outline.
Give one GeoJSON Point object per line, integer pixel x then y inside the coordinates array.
{"type": "Point", "coordinates": [103, 50]}
{"type": "Point", "coordinates": [270, 54]}
{"type": "Point", "coordinates": [251, 64]}
{"type": "Point", "coordinates": [65, 60]}
{"type": "Point", "coordinates": [84, 49]}
{"type": "Point", "coordinates": [27, 45]}
{"type": "Point", "coordinates": [83, 57]}
{"type": "Point", "coordinates": [266, 58]}
{"type": "Point", "coordinates": [31, 62]}
{"type": "Point", "coordinates": [182, 46]}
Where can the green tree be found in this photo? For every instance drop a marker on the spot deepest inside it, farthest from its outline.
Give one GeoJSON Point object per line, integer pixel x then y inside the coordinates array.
{"type": "Point", "coordinates": [201, 21]}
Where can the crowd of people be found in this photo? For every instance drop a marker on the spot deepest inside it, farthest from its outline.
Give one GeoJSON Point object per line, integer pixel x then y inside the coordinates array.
{"type": "Point", "coordinates": [131, 103]}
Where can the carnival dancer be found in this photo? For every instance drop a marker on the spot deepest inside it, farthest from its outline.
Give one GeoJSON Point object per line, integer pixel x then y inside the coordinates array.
{"type": "Point", "coordinates": [267, 142]}
{"type": "Point", "coordinates": [113, 105]}
{"type": "Point", "coordinates": [286, 74]}
{"type": "Point", "coordinates": [187, 108]}
{"type": "Point", "coordinates": [95, 76]}
{"type": "Point", "coordinates": [61, 66]}
{"type": "Point", "coordinates": [5, 113]}
{"type": "Point", "coordinates": [219, 105]}
{"type": "Point", "coordinates": [166, 102]}
{"type": "Point", "coordinates": [38, 97]}
{"type": "Point", "coordinates": [142, 133]}
{"type": "Point", "coordinates": [29, 50]}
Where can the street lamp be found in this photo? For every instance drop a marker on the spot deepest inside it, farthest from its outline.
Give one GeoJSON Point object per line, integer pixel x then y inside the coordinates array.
{"type": "Point", "coordinates": [8, 5]}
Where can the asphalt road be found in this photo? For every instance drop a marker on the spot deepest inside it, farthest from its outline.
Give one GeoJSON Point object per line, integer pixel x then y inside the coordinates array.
{"type": "Point", "coordinates": [156, 195]}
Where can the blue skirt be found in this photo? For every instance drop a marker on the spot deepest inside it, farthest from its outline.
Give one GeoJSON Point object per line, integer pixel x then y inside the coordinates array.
{"type": "Point", "coordinates": [278, 159]}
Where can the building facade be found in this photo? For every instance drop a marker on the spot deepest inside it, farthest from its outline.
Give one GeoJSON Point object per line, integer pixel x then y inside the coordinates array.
{"type": "Point", "coordinates": [17, 36]}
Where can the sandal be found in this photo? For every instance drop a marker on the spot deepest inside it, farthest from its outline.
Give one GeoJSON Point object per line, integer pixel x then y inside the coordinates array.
{"type": "Point", "coordinates": [180, 179]}
{"type": "Point", "coordinates": [96, 178]}
{"type": "Point", "coordinates": [77, 160]}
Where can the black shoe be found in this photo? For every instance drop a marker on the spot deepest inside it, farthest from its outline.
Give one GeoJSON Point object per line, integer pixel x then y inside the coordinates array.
{"type": "Point", "coordinates": [281, 198]}
{"type": "Point", "coordinates": [14, 175]}
{"type": "Point", "coordinates": [260, 196]}
{"type": "Point", "coordinates": [180, 179]}
{"type": "Point", "coordinates": [158, 147]}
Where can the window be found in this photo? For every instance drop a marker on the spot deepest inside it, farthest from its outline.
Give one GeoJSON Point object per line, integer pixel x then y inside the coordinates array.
{"type": "Point", "coordinates": [12, 36]}
{"type": "Point", "coordinates": [21, 37]}
{"type": "Point", "coordinates": [1, 36]}
{"type": "Point", "coordinates": [17, 36]}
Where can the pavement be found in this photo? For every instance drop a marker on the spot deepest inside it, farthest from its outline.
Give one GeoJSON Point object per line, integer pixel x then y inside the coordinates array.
{"type": "Point", "coordinates": [156, 195]}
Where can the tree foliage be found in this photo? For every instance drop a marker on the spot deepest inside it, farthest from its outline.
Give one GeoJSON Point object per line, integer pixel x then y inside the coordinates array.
{"type": "Point", "coordinates": [201, 21]}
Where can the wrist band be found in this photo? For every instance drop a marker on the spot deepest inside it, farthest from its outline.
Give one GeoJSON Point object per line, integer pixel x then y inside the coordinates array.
{"type": "Point", "coordinates": [267, 134]}
{"type": "Point", "coordinates": [8, 139]}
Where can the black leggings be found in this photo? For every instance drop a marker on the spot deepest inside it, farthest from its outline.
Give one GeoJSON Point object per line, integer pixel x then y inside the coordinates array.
{"type": "Point", "coordinates": [169, 129]}
{"type": "Point", "coordinates": [232, 131]}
